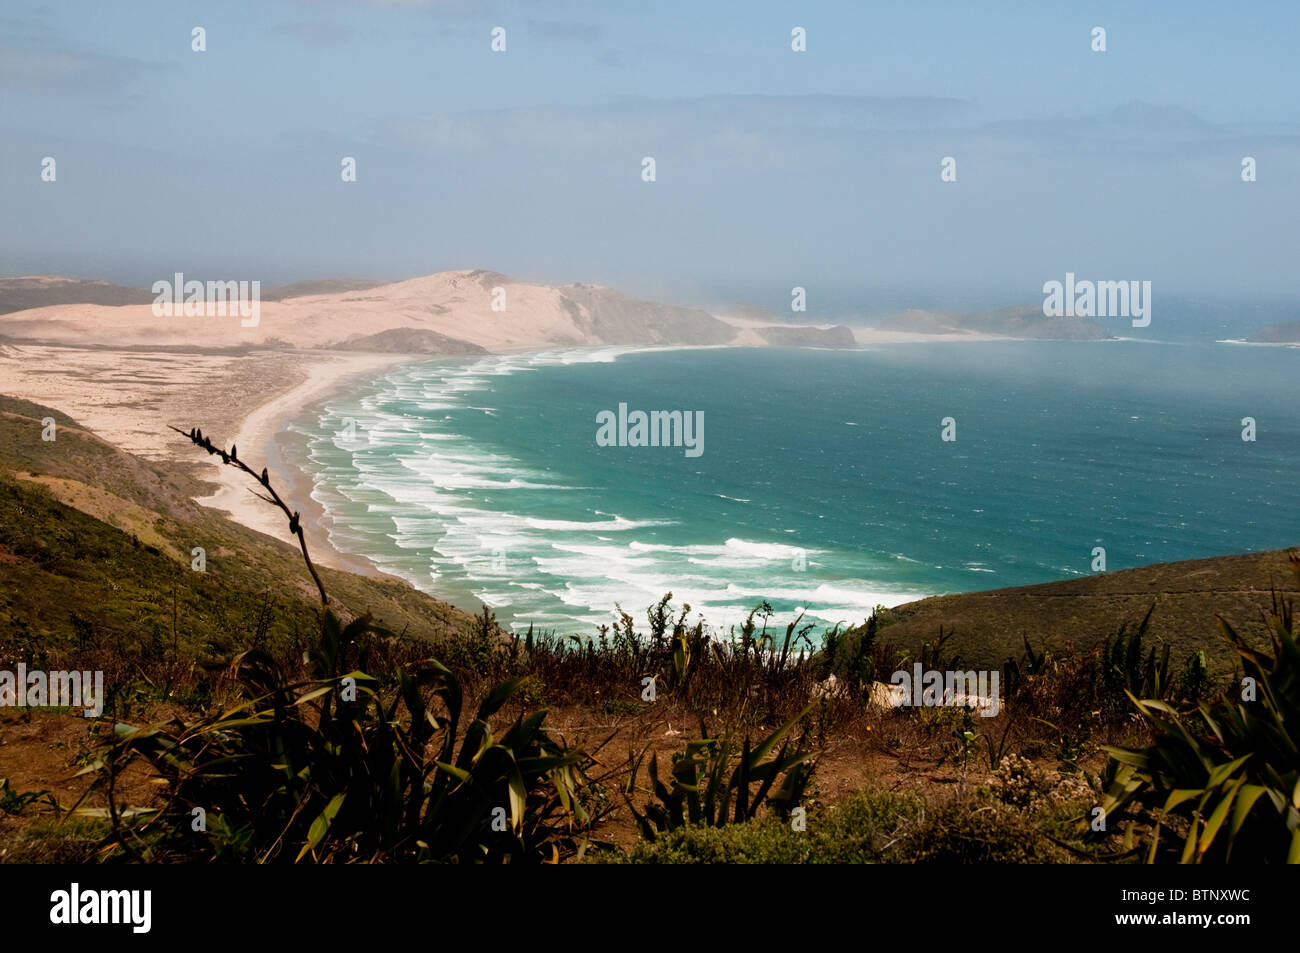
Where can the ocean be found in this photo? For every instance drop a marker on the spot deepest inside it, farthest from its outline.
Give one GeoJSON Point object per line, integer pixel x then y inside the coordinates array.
{"type": "Point", "coordinates": [824, 484]}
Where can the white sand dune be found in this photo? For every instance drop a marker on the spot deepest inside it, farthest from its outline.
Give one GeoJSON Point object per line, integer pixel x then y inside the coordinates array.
{"type": "Point", "coordinates": [456, 304]}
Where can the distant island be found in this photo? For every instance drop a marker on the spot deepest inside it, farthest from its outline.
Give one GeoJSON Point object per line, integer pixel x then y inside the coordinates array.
{"type": "Point", "coordinates": [1023, 322]}
{"type": "Point", "coordinates": [1288, 332]}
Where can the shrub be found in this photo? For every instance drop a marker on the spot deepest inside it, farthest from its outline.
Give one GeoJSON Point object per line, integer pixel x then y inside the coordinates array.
{"type": "Point", "coordinates": [1220, 782]}
{"type": "Point", "coordinates": [973, 831]}
{"type": "Point", "coordinates": [1020, 783]}
{"type": "Point", "coordinates": [347, 767]}
{"type": "Point", "coordinates": [766, 841]}
{"type": "Point", "coordinates": [700, 790]}
{"type": "Point", "coordinates": [16, 802]}
{"type": "Point", "coordinates": [857, 831]}
{"type": "Point", "coordinates": [45, 840]}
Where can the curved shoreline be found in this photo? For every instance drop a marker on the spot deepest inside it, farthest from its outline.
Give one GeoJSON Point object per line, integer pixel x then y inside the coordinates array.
{"type": "Point", "coordinates": [265, 431]}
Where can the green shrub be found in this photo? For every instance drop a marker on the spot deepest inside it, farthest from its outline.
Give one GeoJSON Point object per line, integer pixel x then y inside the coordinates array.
{"type": "Point", "coordinates": [973, 831]}
{"type": "Point", "coordinates": [67, 840]}
{"type": "Point", "coordinates": [711, 772]}
{"type": "Point", "coordinates": [1222, 782]}
{"type": "Point", "coordinates": [857, 831]}
{"type": "Point", "coordinates": [766, 841]}
{"type": "Point", "coordinates": [16, 802]}
{"type": "Point", "coordinates": [347, 766]}
{"type": "Point", "coordinates": [863, 828]}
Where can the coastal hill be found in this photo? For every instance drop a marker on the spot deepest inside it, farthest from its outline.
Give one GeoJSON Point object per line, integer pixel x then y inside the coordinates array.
{"type": "Point", "coordinates": [452, 312]}
{"type": "Point", "coordinates": [472, 312]}
{"type": "Point", "coordinates": [1287, 332]}
{"type": "Point", "coordinates": [93, 539]}
{"type": "Point", "coordinates": [43, 291]}
{"type": "Point", "coordinates": [993, 625]}
{"type": "Point", "coordinates": [1023, 322]}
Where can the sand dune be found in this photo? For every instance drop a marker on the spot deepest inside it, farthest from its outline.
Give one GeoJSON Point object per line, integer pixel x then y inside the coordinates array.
{"type": "Point", "coordinates": [456, 304]}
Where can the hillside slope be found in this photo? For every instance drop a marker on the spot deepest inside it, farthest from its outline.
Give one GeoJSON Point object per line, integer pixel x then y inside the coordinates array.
{"type": "Point", "coordinates": [96, 543]}
{"type": "Point", "coordinates": [43, 291]}
{"type": "Point", "coordinates": [993, 625]}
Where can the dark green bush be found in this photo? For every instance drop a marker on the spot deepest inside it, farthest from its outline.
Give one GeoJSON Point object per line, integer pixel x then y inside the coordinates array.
{"type": "Point", "coordinates": [974, 831]}
{"type": "Point", "coordinates": [857, 831]}
{"type": "Point", "coordinates": [1221, 782]}
{"type": "Point", "coordinates": [348, 766]}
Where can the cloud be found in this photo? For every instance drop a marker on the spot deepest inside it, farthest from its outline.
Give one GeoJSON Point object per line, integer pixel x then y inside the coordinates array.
{"type": "Point", "coordinates": [32, 27]}
{"type": "Point", "coordinates": [390, 3]}
{"type": "Point", "coordinates": [46, 71]}
{"type": "Point", "coordinates": [315, 32]}
{"type": "Point", "coordinates": [769, 122]}
{"type": "Point", "coordinates": [559, 31]}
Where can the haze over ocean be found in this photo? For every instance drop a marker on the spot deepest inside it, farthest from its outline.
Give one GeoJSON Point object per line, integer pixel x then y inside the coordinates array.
{"type": "Point", "coordinates": [484, 477]}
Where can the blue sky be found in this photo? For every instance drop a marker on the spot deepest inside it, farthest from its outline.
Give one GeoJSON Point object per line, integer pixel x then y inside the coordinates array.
{"type": "Point", "coordinates": [774, 168]}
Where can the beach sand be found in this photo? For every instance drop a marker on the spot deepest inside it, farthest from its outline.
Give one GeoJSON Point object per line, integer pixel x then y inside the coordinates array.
{"type": "Point", "coordinates": [129, 397]}
{"type": "Point", "coordinates": [259, 433]}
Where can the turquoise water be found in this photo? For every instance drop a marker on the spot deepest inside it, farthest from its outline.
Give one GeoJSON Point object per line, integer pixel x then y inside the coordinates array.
{"type": "Point", "coordinates": [823, 485]}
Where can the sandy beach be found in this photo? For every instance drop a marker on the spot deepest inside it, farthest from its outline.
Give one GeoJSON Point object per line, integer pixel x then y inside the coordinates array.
{"type": "Point", "coordinates": [261, 431]}
{"type": "Point", "coordinates": [130, 396]}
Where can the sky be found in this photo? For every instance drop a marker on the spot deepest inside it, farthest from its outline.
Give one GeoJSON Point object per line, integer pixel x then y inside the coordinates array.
{"type": "Point", "coordinates": [774, 168]}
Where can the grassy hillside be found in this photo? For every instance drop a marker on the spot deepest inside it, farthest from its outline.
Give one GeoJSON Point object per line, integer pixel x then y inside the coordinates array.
{"type": "Point", "coordinates": [95, 546]}
{"type": "Point", "coordinates": [409, 341]}
{"type": "Point", "coordinates": [782, 336]}
{"type": "Point", "coordinates": [992, 626]}
{"type": "Point", "coordinates": [19, 294]}
{"type": "Point", "coordinates": [320, 286]}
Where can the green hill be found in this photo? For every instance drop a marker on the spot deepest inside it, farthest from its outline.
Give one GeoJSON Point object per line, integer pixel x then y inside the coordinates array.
{"type": "Point", "coordinates": [95, 545]}
{"type": "Point", "coordinates": [990, 626]}
{"type": "Point", "coordinates": [19, 294]}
